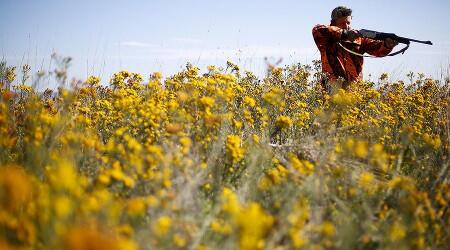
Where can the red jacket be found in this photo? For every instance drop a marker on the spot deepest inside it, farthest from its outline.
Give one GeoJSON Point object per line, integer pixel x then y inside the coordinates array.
{"type": "Point", "coordinates": [336, 62]}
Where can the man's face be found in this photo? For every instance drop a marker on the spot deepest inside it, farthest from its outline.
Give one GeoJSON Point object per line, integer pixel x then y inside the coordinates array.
{"type": "Point", "coordinates": [344, 22]}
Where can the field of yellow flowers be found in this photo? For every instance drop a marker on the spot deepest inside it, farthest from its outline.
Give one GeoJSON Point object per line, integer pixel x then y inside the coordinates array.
{"type": "Point", "coordinates": [223, 160]}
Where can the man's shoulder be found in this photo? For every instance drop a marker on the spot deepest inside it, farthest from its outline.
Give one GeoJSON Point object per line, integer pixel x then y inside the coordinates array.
{"type": "Point", "coordinates": [326, 30]}
{"type": "Point", "coordinates": [320, 26]}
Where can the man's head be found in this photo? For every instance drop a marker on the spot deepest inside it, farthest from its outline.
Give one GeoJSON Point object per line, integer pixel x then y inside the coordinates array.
{"type": "Point", "coordinates": [341, 17]}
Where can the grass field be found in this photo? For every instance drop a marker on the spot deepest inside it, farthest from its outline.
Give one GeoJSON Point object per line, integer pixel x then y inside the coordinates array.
{"type": "Point", "coordinates": [223, 160]}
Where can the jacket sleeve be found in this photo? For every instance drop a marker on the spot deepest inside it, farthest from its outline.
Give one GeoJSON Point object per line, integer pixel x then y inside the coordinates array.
{"type": "Point", "coordinates": [324, 34]}
{"type": "Point", "coordinates": [374, 47]}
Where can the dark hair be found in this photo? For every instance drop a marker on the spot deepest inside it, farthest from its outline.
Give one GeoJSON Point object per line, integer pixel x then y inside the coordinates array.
{"type": "Point", "coordinates": [340, 11]}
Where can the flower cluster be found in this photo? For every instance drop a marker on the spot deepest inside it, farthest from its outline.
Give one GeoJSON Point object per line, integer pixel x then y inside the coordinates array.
{"type": "Point", "coordinates": [224, 160]}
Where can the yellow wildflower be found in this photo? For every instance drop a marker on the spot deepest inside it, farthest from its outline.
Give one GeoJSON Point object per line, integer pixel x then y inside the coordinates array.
{"type": "Point", "coordinates": [367, 181]}
{"type": "Point", "coordinates": [136, 207]}
{"type": "Point", "coordinates": [179, 240]}
{"type": "Point", "coordinates": [93, 80]}
{"type": "Point", "coordinates": [304, 167]}
{"type": "Point", "coordinates": [397, 231]}
{"type": "Point", "coordinates": [89, 237]}
{"type": "Point", "coordinates": [162, 225]}
{"type": "Point", "coordinates": [234, 148]}
{"type": "Point", "coordinates": [249, 101]}
{"type": "Point", "coordinates": [63, 206]}
{"type": "Point", "coordinates": [327, 229]}
{"type": "Point", "coordinates": [253, 224]}
{"type": "Point", "coordinates": [15, 187]}
{"type": "Point", "coordinates": [360, 149]}
{"type": "Point", "coordinates": [221, 227]}
{"type": "Point", "coordinates": [207, 101]}
{"type": "Point", "coordinates": [284, 122]}
{"type": "Point", "coordinates": [64, 176]}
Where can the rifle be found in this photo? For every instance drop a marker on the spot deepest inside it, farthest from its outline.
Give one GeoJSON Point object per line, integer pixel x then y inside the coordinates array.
{"type": "Point", "coordinates": [381, 36]}
{"type": "Point", "coordinates": [376, 35]}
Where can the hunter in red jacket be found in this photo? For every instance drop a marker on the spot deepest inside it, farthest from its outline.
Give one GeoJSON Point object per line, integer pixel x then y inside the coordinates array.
{"type": "Point", "coordinates": [336, 61]}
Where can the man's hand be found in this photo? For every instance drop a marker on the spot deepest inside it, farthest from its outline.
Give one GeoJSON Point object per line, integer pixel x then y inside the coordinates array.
{"type": "Point", "coordinates": [352, 34]}
{"type": "Point", "coordinates": [390, 43]}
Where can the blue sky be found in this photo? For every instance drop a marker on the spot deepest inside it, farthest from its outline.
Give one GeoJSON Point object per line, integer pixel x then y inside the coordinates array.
{"type": "Point", "coordinates": [104, 37]}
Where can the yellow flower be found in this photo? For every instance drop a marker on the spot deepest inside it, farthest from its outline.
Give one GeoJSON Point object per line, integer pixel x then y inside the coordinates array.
{"type": "Point", "coordinates": [434, 142]}
{"type": "Point", "coordinates": [211, 120]}
{"type": "Point", "coordinates": [186, 142]}
{"type": "Point", "coordinates": [152, 201]}
{"type": "Point", "coordinates": [136, 207]}
{"type": "Point", "coordinates": [64, 176]}
{"type": "Point", "coordinates": [237, 124]}
{"type": "Point", "coordinates": [156, 75]}
{"type": "Point", "coordinates": [132, 143]}
{"type": "Point", "coordinates": [301, 104]}
{"type": "Point", "coordinates": [297, 238]}
{"type": "Point", "coordinates": [126, 244]}
{"type": "Point", "coordinates": [125, 229]}
{"type": "Point", "coordinates": [221, 227]}
{"type": "Point", "coordinates": [230, 201]}
{"type": "Point", "coordinates": [179, 240]}
{"type": "Point", "coordinates": [162, 226]}
{"type": "Point", "coordinates": [253, 224]}
{"type": "Point", "coordinates": [343, 98]}
{"type": "Point", "coordinates": [402, 182]}
{"type": "Point", "coordinates": [327, 229]}
{"type": "Point", "coordinates": [207, 186]}
{"type": "Point", "coordinates": [275, 97]}
{"type": "Point", "coordinates": [211, 68]}
{"type": "Point", "coordinates": [104, 179]}
{"type": "Point", "coordinates": [182, 96]}
{"type": "Point", "coordinates": [249, 101]}
{"type": "Point", "coordinates": [360, 149]}
{"type": "Point", "coordinates": [207, 101]}
{"type": "Point", "coordinates": [367, 181]}
{"type": "Point", "coordinates": [89, 237]}
{"type": "Point", "coordinates": [63, 206]}
{"type": "Point", "coordinates": [93, 80]}
{"type": "Point", "coordinates": [397, 231]}
{"type": "Point", "coordinates": [202, 247]}
{"type": "Point", "coordinates": [264, 183]}
{"type": "Point", "coordinates": [234, 148]}
{"type": "Point", "coordinates": [173, 128]}
{"type": "Point", "coordinates": [15, 188]}
{"type": "Point", "coordinates": [129, 182]}
{"type": "Point", "coordinates": [304, 167]}
{"type": "Point", "coordinates": [277, 174]}
{"type": "Point", "coordinates": [255, 138]}
{"type": "Point", "coordinates": [284, 121]}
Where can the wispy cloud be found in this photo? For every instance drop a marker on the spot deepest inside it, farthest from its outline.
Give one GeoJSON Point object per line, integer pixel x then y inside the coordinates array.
{"type": "Point", "coordinates": [137, 44]}
{"type": "Point", "coordinates": [225, 53]}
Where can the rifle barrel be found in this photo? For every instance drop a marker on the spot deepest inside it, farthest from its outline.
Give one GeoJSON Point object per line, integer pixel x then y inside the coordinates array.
{"type": "Point", "coordinates": [424, 42]}
{"type": "Point", "coordinates": [404, 39]}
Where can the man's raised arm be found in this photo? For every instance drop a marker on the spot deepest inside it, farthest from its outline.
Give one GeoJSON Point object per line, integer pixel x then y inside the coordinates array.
{"type": "Point", "coordinates": [324, 34]}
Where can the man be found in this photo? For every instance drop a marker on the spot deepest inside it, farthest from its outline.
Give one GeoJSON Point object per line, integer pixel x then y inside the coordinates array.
{"type": "Point", "coordinates": [339, 65]}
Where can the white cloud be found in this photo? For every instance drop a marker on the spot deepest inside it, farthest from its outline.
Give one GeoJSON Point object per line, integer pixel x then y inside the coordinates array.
{"type": "Point", "coordinates": [248, 52]}
{"type": "Point", "coordinates": [137, 44]}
